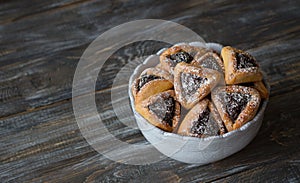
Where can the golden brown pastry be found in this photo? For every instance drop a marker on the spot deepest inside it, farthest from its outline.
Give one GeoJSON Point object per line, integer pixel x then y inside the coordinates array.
{"type": "Point", "coordinates": [261, 88]}
{"type": "Point", "coordinates": [201, 121]}
{"type": "Point", "coordinates": [158, 66]}
{"type": "Point", "coordinates": [180, 53]}
{"type": "Point", "coordinates": [240, 66]}
{"type": "Point", "coordinates": [162, 110]}
{"type": "Point", "coordinates": [236, 104]}
{"type": "Point", "coordinates": [193, 83]}
{"type": "Point", "coordinates": [209, 60]}
{"type": "Point", "coordinates": [150, 82]}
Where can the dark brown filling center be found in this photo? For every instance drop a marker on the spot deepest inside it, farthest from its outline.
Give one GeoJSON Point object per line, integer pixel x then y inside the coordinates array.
{"type": "Point", "coordinates": [199, 126]}
{"type": "Point", "coordinates": [245, 61]}
{"type": "Point", "coordinates": [191, 83]}
{"type": "Point", "coordinates": [145, 79]}
{"type": "Point", "coordinates": [235, 103]}
{"type": "Point", "coordinates": [180, 56]}
{"type": "Point", "coordinates": [164, 109]}
{"type": "Point", "coordinates": [211, 63]}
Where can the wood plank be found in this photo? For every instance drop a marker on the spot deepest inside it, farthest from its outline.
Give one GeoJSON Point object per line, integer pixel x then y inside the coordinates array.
{"type": "Point", "coordinates": [52, 142]}
{"type": "Point", "coordinates": [42, 41]}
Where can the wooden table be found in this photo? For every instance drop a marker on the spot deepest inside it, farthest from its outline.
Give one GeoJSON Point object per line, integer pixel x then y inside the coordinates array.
{"type": "Point", "coordinates": [40, 46]}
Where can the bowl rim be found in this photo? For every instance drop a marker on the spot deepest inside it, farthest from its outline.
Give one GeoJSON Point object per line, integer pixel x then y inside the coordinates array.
{"type": "Point", "coordinates": [235, 132]}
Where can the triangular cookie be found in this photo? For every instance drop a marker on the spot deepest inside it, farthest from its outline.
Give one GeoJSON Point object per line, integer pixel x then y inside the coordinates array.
{"type": "Point", "coordinates": [162, 110]}
{"type": "Point", "coordinates": [193, 83]}
{"type": "Point", "coordinates": [177, 54]}
{"type": "Point", "coordinates": [240, 66]}
{"type": "Point", "coordinates": [150, 82]}
{"type": "Point", "coordinates": [236, 104]}
{"type": "Point", "coordinates": [202, 120]}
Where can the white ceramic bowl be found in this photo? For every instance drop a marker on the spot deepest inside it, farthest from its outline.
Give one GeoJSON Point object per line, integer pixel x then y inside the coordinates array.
{"type": "Point", "coordinates": [192, 149]}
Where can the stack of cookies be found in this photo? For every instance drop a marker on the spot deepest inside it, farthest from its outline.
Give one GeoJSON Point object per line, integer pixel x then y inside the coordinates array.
{"type": "Point", "coordinates": [195, 91]}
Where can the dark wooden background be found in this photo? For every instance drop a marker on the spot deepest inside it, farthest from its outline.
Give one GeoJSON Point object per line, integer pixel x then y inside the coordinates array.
{"type": "Point", "coordinates": [41, 43]}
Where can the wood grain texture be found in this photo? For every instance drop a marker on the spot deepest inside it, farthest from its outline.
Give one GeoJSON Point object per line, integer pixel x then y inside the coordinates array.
{"type": "Point", "coordinates": [41, 43]}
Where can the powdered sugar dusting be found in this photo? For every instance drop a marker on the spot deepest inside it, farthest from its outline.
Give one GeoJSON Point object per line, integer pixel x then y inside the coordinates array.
{"type": "Point", "coordinates": [164, 109]}
{"type": "Point", "coordinates": [249, 70]}
{"type": "Point", "coordinates": [211, 63]}
{"type": "Point", "coordinates": [235, 103]}
{"type": "Point", "coordinates": [191, 83]}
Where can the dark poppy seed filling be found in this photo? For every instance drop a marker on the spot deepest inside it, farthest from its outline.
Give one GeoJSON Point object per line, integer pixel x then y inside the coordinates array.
{"type": "Point", "coordinates": [245, 61]}
{"type": "Point", "coordinates": [211, 63]}
{"type": "Point", "coordinates": [247, 84]}
{"type": "Point", "coordinates": [235, 103]}
{"type": "Point", "coordinates": [164, 109]}
{"type": "Point", "coordinates": [180, 56]}
{"type": "Point", "coordinates": [191, 83]}
{"type": "Point", "coordinates": [145, 79]}
{"type": "Point", "coordinates": [199, 126]}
